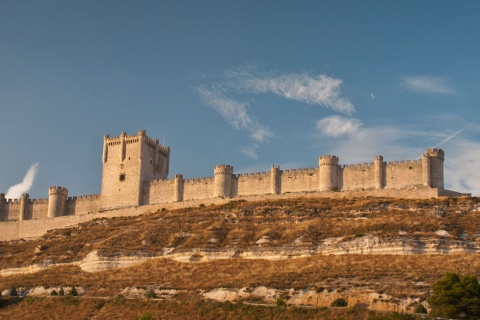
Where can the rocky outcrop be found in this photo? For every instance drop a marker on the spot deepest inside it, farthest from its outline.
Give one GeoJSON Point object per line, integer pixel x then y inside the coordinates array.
{"type": "Point", "coordinates": [372, 245]}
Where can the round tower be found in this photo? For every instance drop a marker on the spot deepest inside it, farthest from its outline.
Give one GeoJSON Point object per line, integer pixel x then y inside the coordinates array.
{"type": "Point", "coordinates": [57, 199]}
{"type": "Point", "coordinates": [436, 156]}
{"type": "Point", "coordinates": [223, 175]}
{"type": "Point", "coordinates": [328, 170]}
{"type": "Point", "coordinates": [426, 174]}
{"type": "Point", "coordinates": [178, 191]}
{"type": "Point", "coordinates": [22, 215]}
{"type": "Point", "coordinates": [379, 172]}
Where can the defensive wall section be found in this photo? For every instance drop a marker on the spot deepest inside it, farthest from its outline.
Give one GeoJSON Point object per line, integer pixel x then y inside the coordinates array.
{"type": "Point", "coordinates": [135, 170]}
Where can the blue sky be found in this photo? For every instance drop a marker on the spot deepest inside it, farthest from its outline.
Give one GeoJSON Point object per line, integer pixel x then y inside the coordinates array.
{"type": "Point", "coordinates": [247, 83]}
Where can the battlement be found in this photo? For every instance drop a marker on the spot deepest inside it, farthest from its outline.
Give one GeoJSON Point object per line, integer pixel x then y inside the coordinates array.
{"type": "Point", "coordinates": [38, 201]}
{"type": "Point", "coordinates": [435, 153]}
{"type": "Point", "coordinates": [199, 180]}
{"type": "Point", "coordinates": [223, 169]}
{"type": "Point", "coordinates": [328, 160]}
{"type": "Point", "coordinates": [358, 166]}
{"type": "Point", "coordinates": [300, 170]}
{"type": "Point", "coordinates": [57, 191]}
{"type": "Point", "coordinates": [404, 163]}
{"type": "Point", "coordinates": [85, 197]}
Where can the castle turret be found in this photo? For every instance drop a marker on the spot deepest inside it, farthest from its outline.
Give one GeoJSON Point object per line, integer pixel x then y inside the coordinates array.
{"type": "Point", "coordinates": [426, 174]}
{"type": "Point", "coordinates": [2, 203]}
{"type": "Point", "coordinates": [105, 148]}
{"type": "Point", "coordinates": [57, 198]}
{"type": "Point", "coordinates": [436, 158]}
{"type": "Point", "coordinates": [328, 170]}
{"type": "Point", "coordinates": [223, 181]}
{"type": "Point", "coordinates": [275, 180]}
{"type": "Point", "coordinates": [379, 172]}
{"type": "Point", "coordinates": [22, 214]}
{"type": "Point", "coordinates": [178, 196]}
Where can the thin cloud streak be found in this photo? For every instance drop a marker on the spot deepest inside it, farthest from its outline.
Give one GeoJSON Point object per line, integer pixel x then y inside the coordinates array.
{"type": "Point", "coordinates": [427, 84]}
{"type": "Point", "coordinates": [450, 137]}
{"type": "Point", "coordinates": [16, 191]}
{"type": "Point", "coordinates": [235, 113]}
{"type": "Point", "coordinates": [320, 90]}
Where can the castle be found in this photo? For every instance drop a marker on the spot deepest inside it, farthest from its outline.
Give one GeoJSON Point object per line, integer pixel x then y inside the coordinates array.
{"type": "Point", "coordinates": [136, 168]}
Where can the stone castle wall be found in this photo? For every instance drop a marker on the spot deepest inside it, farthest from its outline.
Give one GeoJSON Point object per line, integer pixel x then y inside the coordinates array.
{"type": "Point", "coordinates": [135, 170]}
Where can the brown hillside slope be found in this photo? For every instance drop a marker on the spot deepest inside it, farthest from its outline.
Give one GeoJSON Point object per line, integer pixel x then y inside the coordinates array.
{"type": "Point", "coordinates": [282, 245]}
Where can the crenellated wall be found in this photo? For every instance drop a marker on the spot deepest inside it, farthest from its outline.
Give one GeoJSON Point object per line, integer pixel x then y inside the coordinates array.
{"type": "Point", "coordinates": [135, 170]}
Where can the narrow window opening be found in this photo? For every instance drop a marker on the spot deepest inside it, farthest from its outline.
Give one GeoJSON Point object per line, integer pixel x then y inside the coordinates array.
{"type": "Point", "coordinates": [122, 177]}
{"type": "Point", "coordinates": [151, 161]}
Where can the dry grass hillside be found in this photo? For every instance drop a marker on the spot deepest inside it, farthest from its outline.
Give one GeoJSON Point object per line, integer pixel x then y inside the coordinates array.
{"type": "Point", "coordinates": [294, 226]}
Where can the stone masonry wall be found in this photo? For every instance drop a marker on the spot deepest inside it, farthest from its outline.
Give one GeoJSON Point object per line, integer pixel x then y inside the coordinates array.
{"type": "Point", "coordinates": [298, 180]}
{"type": "Point", "coordinates": [253, 183]}
{"type": "Point", "coordinates": [159, 191]}
{"type": "Point", "coordinates": [82, 205]}
{"type": "Point", "coordinates": [201, 188]}
{"type": "Point", "coordinates": [403, 174]}
{"type": "Point", "coordinates": [358, 177]}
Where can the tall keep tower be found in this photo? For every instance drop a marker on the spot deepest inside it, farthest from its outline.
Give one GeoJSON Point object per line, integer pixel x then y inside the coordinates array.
{"type": "Point", "coordinates": [128, 162]}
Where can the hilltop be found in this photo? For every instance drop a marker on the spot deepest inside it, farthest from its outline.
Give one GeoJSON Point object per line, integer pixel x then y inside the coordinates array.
{"type": "Point", "coordinates": [380, 253]}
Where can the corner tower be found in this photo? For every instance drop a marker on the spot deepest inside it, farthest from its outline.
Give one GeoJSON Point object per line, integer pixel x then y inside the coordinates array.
{"type": "Point", "coordinates": [434, 159]}
{"type": "Point", "coordinates": [128, 162]}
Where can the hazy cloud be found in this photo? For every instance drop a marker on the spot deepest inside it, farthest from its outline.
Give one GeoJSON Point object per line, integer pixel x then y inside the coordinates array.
{"type": "Point", "coordinates": [16, 191]}
{"type": "Point", "coordinates": [427, 84]}
{"type": "Point", "coordinates": [250, 151]}
{"type": "Point", "coordinates": [461, 166]}
{"type": "Point", "coordinates": [335, 126]}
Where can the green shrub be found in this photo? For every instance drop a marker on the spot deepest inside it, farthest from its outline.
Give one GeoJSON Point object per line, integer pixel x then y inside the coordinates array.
{"type": "Point", "coordinates": [151, 294]}
{"type": "Point", "coordinates": [279, 302]}
{"type": "Point", "coordinates": [339, 302]}
{"type": "Point", "coordinates": [13, 292]}
{"type": "Point", "coordinates": [54, 293]}
{"type": "Point", "coordinates": [420, 309]}
{"type": "Point", "coordinates": [146, 316]}
{"type": "Point", "coordinates": [61, 292]}
{"type": "Point", "coordinates": [454, 295]}
{"type": "Point", "coordinates": [73, 291]}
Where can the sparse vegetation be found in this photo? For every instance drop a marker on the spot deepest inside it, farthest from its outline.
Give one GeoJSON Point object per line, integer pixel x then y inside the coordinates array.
{"type": "Point", "coordinates": [298, 223]}
{"type": "Point", "coordinates": [339, 302]}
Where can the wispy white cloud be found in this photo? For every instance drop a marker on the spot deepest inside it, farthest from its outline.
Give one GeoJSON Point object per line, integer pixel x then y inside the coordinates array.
{"type": "Point", "coordinates": [372, 96]}
{"type": "Point", "coordinates": [16, 191]}
{"type": "Point", "coordinates": [336, 126]}
{"type": "Point", "coordinates": [235, 113]}
{"type": "Point", "coordinates": [223, 94]}
{"type": "Point", "coordinates": [427, 84]}
{"type": "Point", "coordinates": [315, 90]}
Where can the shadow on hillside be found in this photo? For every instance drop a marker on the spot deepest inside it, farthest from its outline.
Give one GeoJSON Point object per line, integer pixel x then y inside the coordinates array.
{"type": "Point", "coordinates": [9, 301]}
